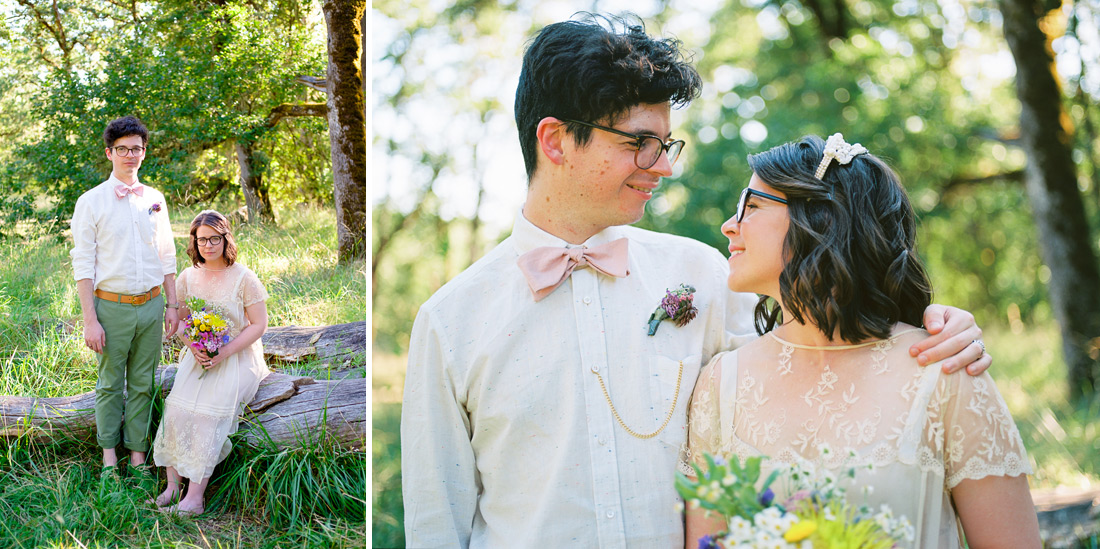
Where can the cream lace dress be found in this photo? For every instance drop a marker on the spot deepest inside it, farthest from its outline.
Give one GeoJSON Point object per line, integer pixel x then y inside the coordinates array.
{"type": "Point", "coordinates": [200, 414]}
{"type": "Point", "coordinates": [916, 431]}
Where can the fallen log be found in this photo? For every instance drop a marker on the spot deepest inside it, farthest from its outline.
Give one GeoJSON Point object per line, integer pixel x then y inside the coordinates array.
{"type": "Point", "coordinates": [341, 345]}
{"type": "Point", "coordinates": [291, 410]}
{"type": "Point", "coordinates": [1067, 516]}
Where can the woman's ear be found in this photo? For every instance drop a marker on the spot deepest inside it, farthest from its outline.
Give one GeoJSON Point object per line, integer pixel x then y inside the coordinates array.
{"type": "Point", "coordinates": [551, 134]}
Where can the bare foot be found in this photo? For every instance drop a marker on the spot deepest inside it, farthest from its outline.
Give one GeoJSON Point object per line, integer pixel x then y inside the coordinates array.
{"type": "Point", "coordinates": [166, 497]}
{"type": "Point", "coordinates": [187, 509]}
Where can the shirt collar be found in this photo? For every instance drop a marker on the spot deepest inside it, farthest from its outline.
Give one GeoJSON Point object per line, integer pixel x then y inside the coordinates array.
{"type": "Point", "coordinates": [527, 236]}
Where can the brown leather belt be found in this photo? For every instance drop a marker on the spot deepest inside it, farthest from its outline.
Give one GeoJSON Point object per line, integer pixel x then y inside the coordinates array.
{"type": "Point", "coordinates": [135, 300]}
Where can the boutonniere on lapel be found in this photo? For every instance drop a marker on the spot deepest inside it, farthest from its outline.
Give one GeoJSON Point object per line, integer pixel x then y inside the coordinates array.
{"type": "Point", "coordinates": [676, 305]}
{"type": "Point", "coordinates": [154, 208]}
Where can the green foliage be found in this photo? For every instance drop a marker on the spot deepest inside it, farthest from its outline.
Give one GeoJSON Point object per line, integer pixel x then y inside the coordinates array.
{"type": "Point", "coordinates": [387, 511]}
{"type": "Point", "coordinates": [51, 496]}
{"type": "Point", "coordinates": [292, 487]}
{"type": "Point", "coordinates": [892, 86]}
{"type": "Point", "coordinates": [198, 78]}
{"type": "Point", "coordinates": [50, 491]}
{"type": "Point", "coordinates": [41, 348]}
{"type": "Point", "coordinates": [418, 260]}
{"type": "Point", "coordinates": [727, 487]}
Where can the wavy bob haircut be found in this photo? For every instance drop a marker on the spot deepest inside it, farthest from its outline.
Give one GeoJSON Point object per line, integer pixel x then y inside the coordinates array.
{"type": "Point", "coordinates": [219, 223]}
{"type": "Point", "coordinates": [850, 261]}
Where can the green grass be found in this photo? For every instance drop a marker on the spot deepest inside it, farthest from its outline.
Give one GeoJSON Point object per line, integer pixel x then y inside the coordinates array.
{"type": "Point", "coordinates": [1062, 437]}
{"type": "Point", "coordinates": [50, 494]}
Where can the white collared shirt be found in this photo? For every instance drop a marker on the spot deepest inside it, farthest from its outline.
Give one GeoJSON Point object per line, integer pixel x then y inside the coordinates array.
{"type": "Point", "coordinates": [507, 437]}
{"type": "Point", "coordinates": [123, 244]}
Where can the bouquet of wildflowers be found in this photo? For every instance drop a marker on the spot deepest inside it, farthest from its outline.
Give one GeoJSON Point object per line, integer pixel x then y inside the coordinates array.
{"type": "Point", "coordinates": [206, 327]}
{"type": "Point", "coordinates": [816, 515]}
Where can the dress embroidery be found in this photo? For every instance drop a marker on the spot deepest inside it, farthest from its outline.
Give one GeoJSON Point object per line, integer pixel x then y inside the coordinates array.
{"type": "Point", "coordinates": [913, 431]}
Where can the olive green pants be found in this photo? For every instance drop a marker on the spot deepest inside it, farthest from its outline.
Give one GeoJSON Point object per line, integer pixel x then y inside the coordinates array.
{"type": "Point", "coordinates": [130, 356]}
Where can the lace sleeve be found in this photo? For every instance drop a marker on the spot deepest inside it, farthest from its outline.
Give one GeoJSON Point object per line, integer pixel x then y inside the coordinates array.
{"type": "Point", "coordinates": [252, 290]}
{"type": "Point", "coordinates": [704, 434]}
{"type": "Point", "coordinates": [981, 438]}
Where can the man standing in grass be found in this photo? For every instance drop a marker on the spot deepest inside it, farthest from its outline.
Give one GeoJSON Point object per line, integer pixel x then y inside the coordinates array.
{"type": "Point", "coordinates": [122, 254]}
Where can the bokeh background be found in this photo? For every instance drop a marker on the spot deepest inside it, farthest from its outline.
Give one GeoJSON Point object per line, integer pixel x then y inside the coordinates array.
{"type": "Point", "coordinates": [929, 85]}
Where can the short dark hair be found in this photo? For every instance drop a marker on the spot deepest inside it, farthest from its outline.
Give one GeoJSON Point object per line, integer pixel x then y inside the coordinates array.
{"type": "Point", "coordinates": [850, 250]}
{"type": "Point", "coordinates": [122, 127]}
{"type": "Point", "coordinates": [219, 223]}
{"type": "Point", "coordinates": [594, 69]}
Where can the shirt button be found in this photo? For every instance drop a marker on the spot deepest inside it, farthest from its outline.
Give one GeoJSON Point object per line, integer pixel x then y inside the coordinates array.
{"type": "Point", "coordinates": [602, 441]}
{"type": "Point", "coordinates": [595, 368]}
{"type": "Point", "coordinates": [588, 301]}
{"type": "Point", "coordinates": [611, 514]}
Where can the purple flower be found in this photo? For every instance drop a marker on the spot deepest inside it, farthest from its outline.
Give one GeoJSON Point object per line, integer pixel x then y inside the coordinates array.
{"type": "Point", "coordinates": [767, 497]}
{"type": "Point", "coordinates": [154, 208]}
{"type": "Point", "coordinates": [797, 496]}
{"type": "Point", "coordinates": [671, 304]}
{"type": "Point", "coordinates": [707, 542]}
{"type": "Point", "coordinates": [676, 305]}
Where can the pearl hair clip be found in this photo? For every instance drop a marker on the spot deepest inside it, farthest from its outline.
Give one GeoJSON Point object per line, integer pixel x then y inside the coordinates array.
{"type": "Point", "coordinates": [836, 148]}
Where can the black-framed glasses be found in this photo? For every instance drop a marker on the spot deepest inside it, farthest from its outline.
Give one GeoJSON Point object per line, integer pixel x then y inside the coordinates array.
{"type": "Point", "coordinates": [214, 240]}
{"type": "Point", "coordinates": [649, 146]}
{"type": "Point", "coordinates": [746, 194]}
{"type": "Point", "coordinates": [126, 151]}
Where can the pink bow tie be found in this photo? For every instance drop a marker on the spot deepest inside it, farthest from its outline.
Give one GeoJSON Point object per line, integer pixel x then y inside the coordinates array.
{"type": "Point", "coordinates": [121, 190]}
{"type": "Point", "coordinates": [547, 267]}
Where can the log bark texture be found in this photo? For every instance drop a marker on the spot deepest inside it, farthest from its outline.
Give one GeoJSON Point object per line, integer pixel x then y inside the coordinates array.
{"type": "Point", "coordinates": [293, 410]}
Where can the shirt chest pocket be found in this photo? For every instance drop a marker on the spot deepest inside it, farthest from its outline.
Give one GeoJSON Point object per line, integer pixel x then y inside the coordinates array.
{"type": "Point", "coordinates": [672, 380]}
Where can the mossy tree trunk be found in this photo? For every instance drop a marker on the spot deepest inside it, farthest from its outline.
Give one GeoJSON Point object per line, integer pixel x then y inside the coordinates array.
{"type": "Point", "coordinates": [347, 124]}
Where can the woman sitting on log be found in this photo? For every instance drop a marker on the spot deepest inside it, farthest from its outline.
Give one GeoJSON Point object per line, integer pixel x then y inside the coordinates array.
{"type": "Point", "coordinates": [212, 384]}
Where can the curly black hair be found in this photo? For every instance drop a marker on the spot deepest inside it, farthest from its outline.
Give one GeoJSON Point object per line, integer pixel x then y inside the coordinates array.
{"type": "Point", "coordinates": [597, 69]}
{"type": "Point", "coordinates": [122, 127]}
{"type": "Point", "coordinates": [850, 260]}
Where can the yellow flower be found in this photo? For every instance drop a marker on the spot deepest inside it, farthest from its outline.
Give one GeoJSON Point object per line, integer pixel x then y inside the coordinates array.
{"type": "Point", "coordinates": [800, 531]}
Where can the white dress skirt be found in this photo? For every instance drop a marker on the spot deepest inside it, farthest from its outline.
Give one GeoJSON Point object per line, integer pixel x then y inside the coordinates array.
{"type": "Point", "coordinates": [200, 414]}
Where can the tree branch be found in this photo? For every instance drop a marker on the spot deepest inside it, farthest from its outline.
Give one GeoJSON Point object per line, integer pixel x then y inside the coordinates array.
{"type": "Point", "coordinates": [319, 84]}
{"type": "Point", "coordinates": [956, 182]}
{"type": "Point", "coordinates": [287, 110]}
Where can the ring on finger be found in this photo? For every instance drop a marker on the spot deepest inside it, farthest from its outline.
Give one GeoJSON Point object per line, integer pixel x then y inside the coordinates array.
{"type": "Point", "coordinates": [980, 344]}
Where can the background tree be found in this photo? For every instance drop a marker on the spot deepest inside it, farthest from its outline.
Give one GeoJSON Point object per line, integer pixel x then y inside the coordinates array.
{"type": "Point", "coordinates": [1051, 176]}
{"type": "Point", "coordinates": [346, 122]}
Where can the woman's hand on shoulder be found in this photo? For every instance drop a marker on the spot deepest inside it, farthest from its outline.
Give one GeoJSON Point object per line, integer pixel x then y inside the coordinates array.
{"type": "Point", "coordinates": [954, 339]}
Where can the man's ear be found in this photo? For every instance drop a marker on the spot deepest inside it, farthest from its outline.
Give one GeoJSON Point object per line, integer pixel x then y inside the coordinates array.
{"type": "Point", "coordinates": [551, 135]}
{"type": "Point", "coordinates": [107, 152]}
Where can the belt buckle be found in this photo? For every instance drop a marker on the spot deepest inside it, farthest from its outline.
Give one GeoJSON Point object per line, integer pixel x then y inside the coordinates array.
{"type": "Point", "coordinates": [139, 300]}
